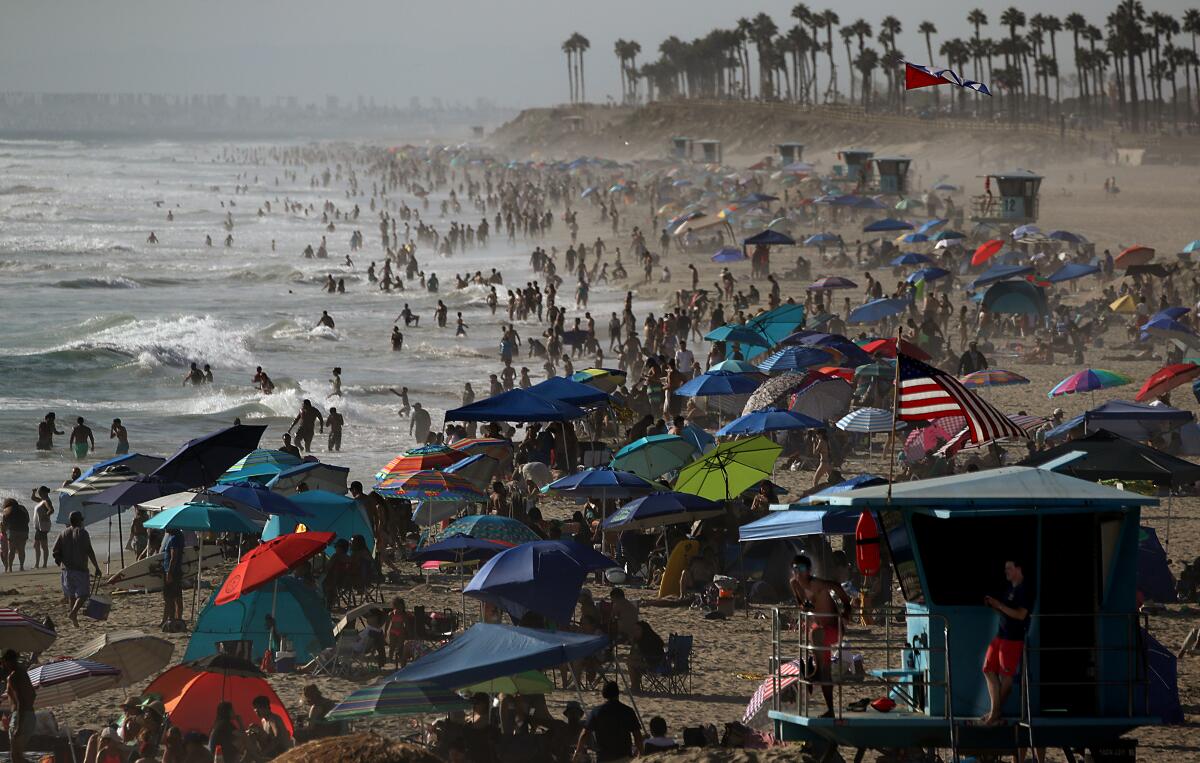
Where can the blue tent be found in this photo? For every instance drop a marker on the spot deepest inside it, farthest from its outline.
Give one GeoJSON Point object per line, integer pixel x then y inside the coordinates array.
{"type": "Point", "coordinates": [770, 238]}
{"type": "Point", "coordinates": [927, 274]}
{"type": "Point", "coordinates": [663, 508]}
{"type": "Point", "coordinates": [567, 391]}
{"type": "Point", "coordinates": [1154, 578]}
{"type": "Point", "coordinates": [877, 310]}
{"type": "Point", "coordinates": [729, 254]}
{"type": "Point", "coordinates": [516, 405]}
{"type": "Point", "coordinates": [543, 576]}
{"type": "Point", "coordinates": [1019, 297]}
{"type": "Point", "coordinates": [486, 652]}
{"type": "Point", "coordinates": [330, 513]}
{"type": "Point", "coordinates": [1137, 421]}
{"type": "Point", "coordinates": [1162, 672]}
{"type": "Point", "coordinates": [300, 615]}
{"type": "Point", "coordinates": [1000, 273]}
{"type": "Point", "coordinates": [1071, 271]}
{"type": "Point", "coordinates": [797, 522]}
{"type": "Point", "coordinates": [718, 383]}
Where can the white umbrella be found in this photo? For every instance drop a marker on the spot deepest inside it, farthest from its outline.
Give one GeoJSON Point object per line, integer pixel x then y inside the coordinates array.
{"type": "Point", "coordinates": [868, 421]}
{"type": "Point", "coordinates": [22, 633]}
{"type": "Point", "coordinates": [134, 653]}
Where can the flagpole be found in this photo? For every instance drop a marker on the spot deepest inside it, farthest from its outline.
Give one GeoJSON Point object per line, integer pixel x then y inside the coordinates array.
{"type": "Point", "coordinates": [895, 411]}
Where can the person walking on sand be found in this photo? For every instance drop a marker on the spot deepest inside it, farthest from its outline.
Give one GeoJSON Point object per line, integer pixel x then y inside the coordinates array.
{"type": "Point", "coordinates": [72, 552]}
{"type": "Point", "coordinates": [82, 440]}
{"type": "Point", "coordinates": [119, 433]}
{"type": "Point", "coordinates": [21, 696]}
{"type": "Point", "coordinates": [47, 428]}
{"type": "Point", "coordinates": [43, 512]}
{"type": "Point", "coordinates": [14, 523]}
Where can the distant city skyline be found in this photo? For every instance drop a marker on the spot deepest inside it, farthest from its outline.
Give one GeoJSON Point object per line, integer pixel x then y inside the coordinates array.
{"type": "Point", "coordinates": [508, 53]}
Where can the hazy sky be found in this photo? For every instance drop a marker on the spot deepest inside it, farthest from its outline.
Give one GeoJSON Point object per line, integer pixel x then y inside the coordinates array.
{"type": "Point", "coordinates": [506, 50]}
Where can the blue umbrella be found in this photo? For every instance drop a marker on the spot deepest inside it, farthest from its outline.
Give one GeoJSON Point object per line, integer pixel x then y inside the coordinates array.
{"type": "Point", "coordinates": [1191, 247]}
{"type": "Point", "coordinates": [877, 310]}
{"type": "Point", "coordinates": [458, 548]}
{"type": "Point", "coordinates": [733, 332]}
{"type": "Point", "coordinates": [947, 235]}
{"type": "Point", "coordinates": [1029, 229]}
{"type": "Point", "coordinates": [768, 420]}
{"type": "Point", "coordinates": [715, 383]}
{"type": "Point", "coordinates": [770, 238]}
{"type": "Point", "coordinates": [798, 356]}
{"type": "Point", "coordinates": [950, 187]}
{"type": "Point", "coordinates": [914, 238]}
{"type": "Point", "coordinates": [927, 275]}
{"type": "Point", "coordinates": [653, 456]}
{"type": "Point", "coordinates": [929, 225]}
{"type": "Point", "coordinates": [587, 192]}
{"type": "Point", "coordinates": [729, 254]}
{"type": "Point", "coordinates": [698, 437]}
{"type": "Point", "coordinates": [601, 481]}
{"type": "Point", "coordinates": [544, 577]}
{"type": "Point", "coordinates": [757, 198]}
{"type": "Point", "coordinates": [869, 203]}
{"type": "Point", "coordinates": [735, 366]}
{"type": "Point", "coordinates": [137, 489]}
{"type": "Point", "coordinates": [665, 508]}
{"type": "Point", "coordinates": [201, 517]}
{"type": "Point", "coordinates": [202, 460]}
{"type": "Point", "coordinates": [1071, 271]}
{"type": "Point", "coordinates": [258, 498]}
{"type": "Point", "coordinates": [911, 258]}
{"type": "Point", "coordinates": [886, 224]}
{"type": "Point", "coordinates": [1166, 328]}
{"type": "Point", "coordinates": [1067, 236]}
{"type": "Point", "coordinates": [868, 421]}
{"type": "Point", "coordinates": [820, 239]}
{"type": "Point", "coordinates": [1173, 313]}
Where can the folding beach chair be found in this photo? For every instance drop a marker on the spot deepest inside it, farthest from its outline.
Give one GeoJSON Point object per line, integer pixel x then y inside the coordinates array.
{"type": "Point", "coordinates": [674, 674]}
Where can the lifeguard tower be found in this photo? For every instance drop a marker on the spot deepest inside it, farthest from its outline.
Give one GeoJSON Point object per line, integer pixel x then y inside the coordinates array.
{"type": "Point", "coordinates": [681, 147]}
{"type": "Point", "coordinates": [790, 152]}
{"type": "Point", "coordinates": [893, 174]}
{"type": "Point", "coordinates": [856, 165]}
{"type": "Point", "coordinates": [1083, 679]}
{"type": "Point", "coordinates": [710, 150]}
{"type": "Point", "coordinates": [1009, 198]}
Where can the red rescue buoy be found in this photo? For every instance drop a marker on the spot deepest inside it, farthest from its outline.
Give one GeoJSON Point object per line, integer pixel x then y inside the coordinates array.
{"type": "Point", "coordinates": [866, 544]}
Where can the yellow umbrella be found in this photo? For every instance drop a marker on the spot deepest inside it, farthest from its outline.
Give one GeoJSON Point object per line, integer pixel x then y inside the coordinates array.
{"type": "Point", "coordinates": [1124, 305]}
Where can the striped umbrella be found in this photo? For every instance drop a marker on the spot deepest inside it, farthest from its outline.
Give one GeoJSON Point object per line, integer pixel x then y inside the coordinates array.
{"type": "Point", "coordinates": [1088, 380]}
{"type": "Point", "coordinates": [22, 633]}
{"type": "Point", "coordinates": [134, 653]}
{"type": "Point", "coordinates": [261, 462]}
{"type": "Point", "coordinates": [603, 379]}
{"type": "Point", "coordinates": [756, 715]}
{"type": "Point", "coordinates": [868, 421]}
{"type": "Point", "coordinates": [419, 459]}
{"type": "Point", "coordinates": [992, 377]}
{"type": "Point", "coordinates": [389, 697]}
{"type": "Point", "coordinates": [63, 681]}
{"type": "Point", "coordinates": [923, 441]}
{"type": "Point", "coordinates": [504, 530]}
{"type": "Point", "coordinates": [495, 447]}
{"type": "Point", "coordinates": [431, 485]}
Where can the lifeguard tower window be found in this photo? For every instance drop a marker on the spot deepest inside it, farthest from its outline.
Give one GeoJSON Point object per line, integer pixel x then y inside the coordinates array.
{"type": "Point", "coordinates": [900, 549]}
{"type": "Point", "coordinates": [964, 558]}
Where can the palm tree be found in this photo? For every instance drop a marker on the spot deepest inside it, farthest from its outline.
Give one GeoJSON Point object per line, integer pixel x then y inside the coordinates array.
{"type": "Point", "coordinates": [847, 34]}
{"type": "Point", "coordinates": [928, 29]}
{"type": "Point", "coordinates": [762, 31]}
{"type": "Point", "coordinates": [889, 28]}
{"type": "Point", "coordinates": [799, 44]}
{"type": "Point", "coordinates": [619, 49]}
{"type": "Point", "coordinates": [1191, 25]}
{"type": "Point", "coordinates": [1075, 23]}
{"type": "Point", "coordinates": [977, 18]}
{"type": "Point", "coordinates": [805, 17]}
{"type": "Point", "coordinates": [829, 19]}
{"type": "Point", "coordinates": [1013, 18]}
{"type": "Point", "coordinates": [632, 48]}
{"type": "Point", "coordinates": [1099, 62]}
{"type": "Point", "coordinates": [582, 44]}
{"type": "Point", "coordinates": [568, 47]}
{"type": "Point", "coordinates": [1164, 27]}
{"type": "Point", "coordinates": [1126, 24]}
{"type": "Point", "coordinates": [744, 27]}
{"type": "Point", "coordinates": [1052, 25]}
{"type": "Point", "coordinates": [866, 63]}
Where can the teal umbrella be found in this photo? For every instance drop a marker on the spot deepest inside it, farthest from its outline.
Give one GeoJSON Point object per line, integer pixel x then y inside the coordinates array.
{"type": "Point", "coordinates": [653, 456]}
{"type": "Point", "coordinates": [390, 697]}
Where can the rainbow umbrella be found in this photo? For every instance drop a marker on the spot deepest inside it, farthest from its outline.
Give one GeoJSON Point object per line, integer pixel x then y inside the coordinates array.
{"type": "Point", "coordinates": [992, 377]}
{"type": "Point", "coordinates": [418, 459]}
{"type": "Point", "coordinates": [1088, 380]}
{"type": "Point", "coordinates": [431, 485]}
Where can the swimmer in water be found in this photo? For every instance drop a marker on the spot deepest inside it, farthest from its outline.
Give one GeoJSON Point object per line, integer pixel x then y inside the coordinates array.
{"type": "Point", "coordinates": [82, 440]}
{"type": "Point", "coordinates": [325, 320]}
{"type": "Point", "coordinates": [405, 408]}
{"type": "Point", "coordinates": [306, 419]}
{"type": "Point", "coordinates": [337, 382]}
{"type": "Point", "coordinates": [262, 381]}
{"type": "Point", "coordinates": [397, 339]}
{"type": "Point", "coordinates": [335, 422]}
{"type": "Point", "coordinates": [46, 431]}
{"type": "Point", "coordinates": [119, 433]}
{"type": "Point", "coordinates": [153, 239]}
{"type": "Point", "coordinates": [194, 376]}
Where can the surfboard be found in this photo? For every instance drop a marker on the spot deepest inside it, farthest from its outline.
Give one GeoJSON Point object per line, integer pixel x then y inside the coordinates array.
{"type": "Point", "coordinates": [680, 556]}
{"type": "Point", "coordinates": [146, 574]}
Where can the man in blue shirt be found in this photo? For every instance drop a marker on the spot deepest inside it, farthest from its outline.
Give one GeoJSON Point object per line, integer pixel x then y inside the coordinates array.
{"type": "Point", "coordinates": [172, 561]}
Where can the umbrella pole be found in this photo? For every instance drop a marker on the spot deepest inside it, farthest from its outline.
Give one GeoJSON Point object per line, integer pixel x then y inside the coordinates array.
{"type": "Point", "coordinates": [1167, 549]}
{"type": "Point", "coordinates": [120, 538]}
{"type": "Point", "coordinates": [199, 568]}
{"type": "Point", "coordinates": [108, 562]}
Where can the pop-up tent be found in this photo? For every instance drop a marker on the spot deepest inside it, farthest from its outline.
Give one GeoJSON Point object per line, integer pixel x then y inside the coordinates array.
{"type": "Point", "coordinates": [338, 514]}
{"type": "Point", "coordinates": [1155, 581]}
{"type": "Point", "coordinates": [516, 405]}
{"type": "Point", "coordinates": [300, 616]}
{"type": "Point", "coordinates": [1109, 456]}
{"type": "Point", "coordinates": [568, 391]}
{"type": "Point", "coordinates": [1136, 421]}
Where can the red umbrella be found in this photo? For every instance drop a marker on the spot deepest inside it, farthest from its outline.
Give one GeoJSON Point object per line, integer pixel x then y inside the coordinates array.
{"type": "Point", "coordinates": [845, 374]}
{"type": "Point", "coordinates": [1134, 255]}
{"type": "Point", "coordinates": [272, 560]}
{"type": "Point", "coordinates": [986, 250]}
{"type": "Point", "coordinates": [1166, 379]}
{"type": "Point", "coordinates": [888, 348]}
{"type": "Point", "coordinates": [190, 692]}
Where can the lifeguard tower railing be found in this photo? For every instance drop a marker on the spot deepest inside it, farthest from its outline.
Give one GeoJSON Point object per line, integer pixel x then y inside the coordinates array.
{"type": "Point", "coordinates": [898, 656]}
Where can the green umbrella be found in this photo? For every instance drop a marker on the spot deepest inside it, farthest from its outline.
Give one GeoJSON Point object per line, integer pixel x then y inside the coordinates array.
{"type": "Point", "coordinates": [529, 682]}
{"type": "Point", "coordinates": [653, 456]}
{"type": "Point", "coordinates": [397, 698]}
{"type": "Point", "coordinates": [730, 468]}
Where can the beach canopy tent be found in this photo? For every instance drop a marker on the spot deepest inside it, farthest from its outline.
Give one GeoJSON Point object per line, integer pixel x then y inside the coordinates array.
{"type": "Point", "coordinates": [1155, 581]}
{"type": "Point", "coordinates": [191, 691]}
{"type": "Point", "coordinates": [203, 460]}
{"type": "Point", "coordinates": [568, 391]}
{"type": "Point", "coordinates": [1162, 699]}
{"type": "Point", "coordinates": [337, 514]}
{"type": "Point", "coordinates": [792, 523]}
{"type": "Point", "coordinates": [1071, 271]}
{"type": "Point", "coordinates": [485, 652]}
{"type": "Point", "coordinates": [516, 405]}
{"type": "Point", "coordinates": [1016, 297]}
{"type": "Point", "coordinates": [316, 475]}
{"type": "Point", "coordinates": [1137, 421]}
{"type": "Point", "coordinates": [662, 508]}
{"type": "Point", "coordinates": [544, 577]}
{"type": "Point", "coordinates": [1000, 273]}
{"type": "Point", "coordinates": [300, 616]}
{"type": "Point", "coordinates": [1108, 455]}
{"type": "Point", "coordinates": [769, 238]}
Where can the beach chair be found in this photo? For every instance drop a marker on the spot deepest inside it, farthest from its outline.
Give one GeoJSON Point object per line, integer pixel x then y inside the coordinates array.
{"type": "Point", "coordinates": [674, 674]}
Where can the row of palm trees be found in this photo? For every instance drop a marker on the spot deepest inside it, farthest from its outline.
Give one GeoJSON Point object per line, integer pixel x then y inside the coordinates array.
{"type": "Point", "coordinates": [1132, 67]}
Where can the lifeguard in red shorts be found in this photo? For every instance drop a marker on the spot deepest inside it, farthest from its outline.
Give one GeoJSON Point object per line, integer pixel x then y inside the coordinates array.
{"type": "Point", "coordinates": [1003, 658]}
{"type": "Point", "coordinates": [819, 598]}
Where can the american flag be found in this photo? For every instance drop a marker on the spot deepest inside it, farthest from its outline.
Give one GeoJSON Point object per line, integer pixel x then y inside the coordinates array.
{"type": "Point", "coordinates": [927, 393]}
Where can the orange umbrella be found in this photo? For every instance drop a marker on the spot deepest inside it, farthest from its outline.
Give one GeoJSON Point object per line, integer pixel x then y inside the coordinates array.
{"type": "Point", "coordinates": [1134, 255]}
{"type": "Point", "coordinates": [1166, 379]}
{"type": "Point", "coordinates": [428, 457]}
{"type": "Point", "coordinates": [272, 560]}
{"type": "Point", "coordinates": [888, 348]}
{"type": "Point", "coordinates": [190, 692]}
{"type": "Point", "coordinates": [986, 250]}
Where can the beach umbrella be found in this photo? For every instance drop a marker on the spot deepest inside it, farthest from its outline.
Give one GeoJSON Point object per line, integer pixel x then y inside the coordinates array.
{"type": "Point", "coordinates": [735, 366]}
{"type": "Point", "coordinates": [910, 258]}
{"type": "Point", "coordinates": [729, 469]}
{"type": "Point", "coordinates": [912, 238]}
{"type": "Point", "coordinates": [418, 459]}
{"type": "Point", "coordinates": [202, 460]}
{"type": "Point", "coordinates": [431, 485]}
{"type": "Point", "coordinates": [932, 224]}
{"type": "Point", "coordinates": [1071, 271]}
{"type": "Point", "coordinates": [822, 239]}
{"type": "Point", "coordinates": [906, 204]}
{"type": "Point", "coordinates": [1191, 247]}
{"type": "Point", "coordinates": [1088, 380]}
{"type": "Point", "coordinates": [738, 334]}
{"type": "Point", "coordinates": [458, 548]}
{"type": "Point", "coordinates": [137, 489]}
{"type": "Point", "coordinates": [653, 456]}
{"type": "Point", "coordinates": [1165, 328]}
{"type": "Point", "coordinates": [776, 389]}
{"type": "Point", "coordinates": [1066, 236]}
{"type": "Point", "coordinates": [868, 421]}
{"type": "Point", "coordinates": [947, 236]}
{"type": "Point", "coordinates": [1024, 231]}
{"type": "Point", "coordinates": [1134, 255]}
{"type": "Point", "coordinates": [769, 238]}
{"type": "Point", "coordinates": [1124, 304]}
{"type": "Point", "coordinates": [768, 420]}
{"type": "Point", "coordinates": [992, 377]}
{"type": "Point", "coordinates": [494, 447]}
{"type": "Point", "coordinates": [1174, 313]}
{"type": "Point", "coordinates": [799, 356]}
{"type": "Point", "coordinates": [602, 481]}
{"type": "Point", "coordinates": [569, 391]}
{"type": "Point", "coordinates": [603, 379]}
{"type": "Point", "coordinates": [698, 437]}
{"type": "Point", "coordinates": [544, 577]}
{"type": "Point", "coordinates": [1166, 379]}
{"type": "Point", "coordinates": [480, 470]}
{"type": "Point", "coordinates": [986, 250]}
{"type": "Point", "coordinates": [866, 202]}
{"type": "Point", "coordinates": [729, 254]}
{"type": "Point", "coordinates": [660, 509]}
{"type": "Point", "coordinates": [887, 348]}
{"type": "Point", "coordinates": [718, 383]}
{"type": "Point", "coordinates": [390, 697]}
{"type": "Point", "coordinates": [255, 497]}
{"type": "Point", "coordinates": [927, 275]}
{"type": "Point", "coordinates": [72, 497]}
{"type": "Point", "coordinates": [201, 517]}
{"type": "Point", "coordinates": [923, 441]}
{"type": "Point", "coordinates": [825, 398]}
{"type": "Point", "coordinates": [878, 310]}
{"type": "Point", "coordinates": [22, 633]}
{"type": "Point", "coordinates": [191, 691]}
{"type": "Point", "coordinates": [832, 282]}
{"type": "Point", "coordinates": [313, 475]}
{"type": "Point", "coordinates": [528, 682]}
{"type": "Point", "coordinates": [260, 462]}
{"type": "Point", "coordinates": [947, 187]}
{"type": "Point", "coordinates": [299, 610]}
{"type": "Point", "coordinates": [756, 709]}
{"type": "Point", "coordinates": [271, 560]}
{"type": "Point", "coordinates": [137, 655]}
{"type": "Point", "coordinates": [887, 224]}
{"type": "Point", "coordinates": [503, 530]}
{"type": "Point", "coordinates": [63, 681]}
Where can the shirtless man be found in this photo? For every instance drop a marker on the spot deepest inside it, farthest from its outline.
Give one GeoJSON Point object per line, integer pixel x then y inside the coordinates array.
{"type": "Point", "coordinates": [305, 418]}
{"type": "Point", "coordinates": [262, 381]}
{"type": "Point", "coordinates": [21, 695]}
{"type": "Point", "coordinates": [46, 431]}
{"type": "Point", "coordinates": [194, 376]}
{"type": "Point", "coordinates": [405, 408]}
{"type": "Point", "coordinates": [325, 319]}
{"type": "Point", "coordinates": [82, 439]}
{"type": "Point", "coordinates": [335, 422]}
{"type": "Point", "coordinates": [819, 598]}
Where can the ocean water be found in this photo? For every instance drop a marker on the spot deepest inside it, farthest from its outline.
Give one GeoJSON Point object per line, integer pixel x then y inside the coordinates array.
{"type": "Point", "coordinates": [100, 324]}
